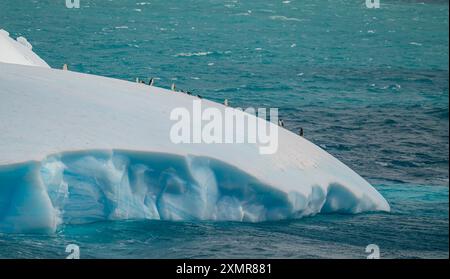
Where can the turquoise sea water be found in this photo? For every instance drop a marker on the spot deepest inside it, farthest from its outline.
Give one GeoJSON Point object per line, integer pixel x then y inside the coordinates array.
{"type": "Point", "coordinates": [370, 86]}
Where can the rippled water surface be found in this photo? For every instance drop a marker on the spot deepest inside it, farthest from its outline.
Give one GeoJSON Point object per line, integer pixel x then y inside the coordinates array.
{"type": "Point", "coordinates": [370, 86]}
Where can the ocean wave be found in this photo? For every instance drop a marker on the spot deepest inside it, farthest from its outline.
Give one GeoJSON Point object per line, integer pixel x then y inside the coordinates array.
{"type": "Point", "coordinates": [190, 54]}
{"type": "Point", "coordinates": [284, 18]}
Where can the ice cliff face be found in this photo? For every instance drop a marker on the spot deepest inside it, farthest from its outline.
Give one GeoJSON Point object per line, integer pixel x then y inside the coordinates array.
{"type": "Point", "coordinates": [78, 148]}
{"type": "Point", "coordinates": [89, 186]}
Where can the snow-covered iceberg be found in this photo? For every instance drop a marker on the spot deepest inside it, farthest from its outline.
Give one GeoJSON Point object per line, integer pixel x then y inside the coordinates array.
{"type": "Point", "coordinates": [18, 51]}
{"type": "Point", "coordinates": [77, 148]}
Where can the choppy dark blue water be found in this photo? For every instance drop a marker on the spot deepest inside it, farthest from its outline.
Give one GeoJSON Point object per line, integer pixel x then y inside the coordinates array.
{"type": "Point", "coordinates": [370, 86]}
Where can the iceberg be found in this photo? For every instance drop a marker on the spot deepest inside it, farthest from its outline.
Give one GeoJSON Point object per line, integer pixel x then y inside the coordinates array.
{"type": "Point", "coordinates": [18, 51]}
{"type": "Point", "coordinates": [78, 148]}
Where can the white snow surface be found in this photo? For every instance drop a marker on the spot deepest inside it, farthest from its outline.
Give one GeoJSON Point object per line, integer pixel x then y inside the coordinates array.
{"type": "Point", "coordinates": [18, 51]}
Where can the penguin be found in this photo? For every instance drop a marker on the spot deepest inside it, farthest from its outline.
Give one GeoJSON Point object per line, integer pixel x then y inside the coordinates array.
{"type": "Point", "coordinates": [65, 67]}
{"type": "Point", "coordinates": [150, 83]}
{"type": "Point", "coordinates": [173, 87]}
{"type": "Point", "coordinates": [225, 102]}
{"type": "Point", "coordinates": [301, 132]}
{"type": "Point", "coordinates": [199, 96]}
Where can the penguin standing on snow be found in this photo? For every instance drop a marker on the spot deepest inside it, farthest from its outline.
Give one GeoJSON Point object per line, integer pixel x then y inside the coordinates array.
{"type": "Point", "coordinates": [173, 87]}
{"type": "Point", "coordinates": [150, 83]}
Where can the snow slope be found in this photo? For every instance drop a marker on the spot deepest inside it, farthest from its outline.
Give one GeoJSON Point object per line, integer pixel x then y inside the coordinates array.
{"type": "Point", "coordinates": [18, 51]}
{"type": "Point", "coordinates": [78, 148]}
